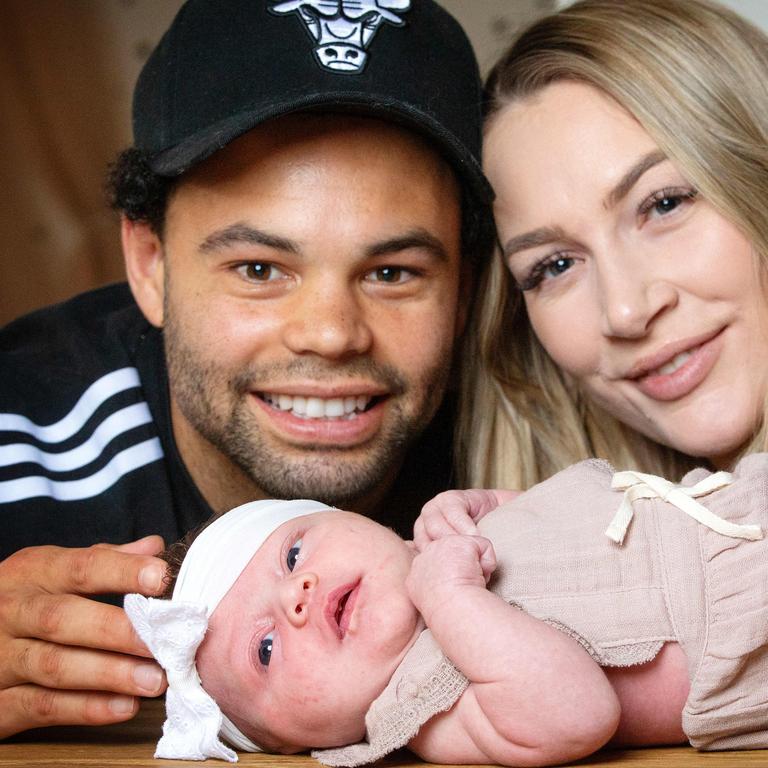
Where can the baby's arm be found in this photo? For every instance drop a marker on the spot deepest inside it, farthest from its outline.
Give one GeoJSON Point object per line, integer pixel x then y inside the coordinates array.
{"type": "Point", "coordinates": [536, 697]}
{"type": "Point", "coordinates": [453, 512]}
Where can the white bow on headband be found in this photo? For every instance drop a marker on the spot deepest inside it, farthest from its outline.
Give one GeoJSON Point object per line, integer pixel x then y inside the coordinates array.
{"type": "Point", "coordinates": [173, 629]}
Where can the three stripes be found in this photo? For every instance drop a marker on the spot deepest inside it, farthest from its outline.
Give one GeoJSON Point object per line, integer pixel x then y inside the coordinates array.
{"type": "Point", "coordinates": [41, 451]}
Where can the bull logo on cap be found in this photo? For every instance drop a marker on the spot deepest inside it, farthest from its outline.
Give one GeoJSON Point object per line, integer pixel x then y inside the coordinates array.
{"type": "Point", "coordinates": [343, 29]}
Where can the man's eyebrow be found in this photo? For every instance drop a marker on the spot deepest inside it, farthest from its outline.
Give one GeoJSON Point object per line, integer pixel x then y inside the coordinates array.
{"type": "Point", "coordinates": [244, 233]}
{"type": "Point", "coordinates": [632, 176]}
{"type": "Point", "coordinates": [416, 238]}
{"type": "Point", "coordinates": [532, 239]}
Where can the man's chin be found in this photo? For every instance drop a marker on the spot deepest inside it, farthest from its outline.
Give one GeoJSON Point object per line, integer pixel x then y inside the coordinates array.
{"type": "Point", "coordinates": [338, 478]}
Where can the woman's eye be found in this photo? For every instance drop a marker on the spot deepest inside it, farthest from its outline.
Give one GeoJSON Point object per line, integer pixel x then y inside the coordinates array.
{"type": "Point", "coordinates": [265, 649]}
{"type": "Point", "coordinates": [665, 201]}
{"type": "Point", "coordinates": [546, 269]}
{"type": "Point", "coordinates": [666, 204]}
{"type": "Point", "coordinates": [558, 266]}
{"type": "Point", "coordinates": [293, 555]}
{"type": "Point", "coordinates": [260, 271]}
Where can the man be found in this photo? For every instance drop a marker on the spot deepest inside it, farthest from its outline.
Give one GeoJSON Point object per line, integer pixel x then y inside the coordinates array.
{"type": "Point", "coordinates": [301, 216]}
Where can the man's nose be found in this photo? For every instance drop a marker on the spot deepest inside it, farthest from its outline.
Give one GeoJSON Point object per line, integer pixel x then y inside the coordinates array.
{"type": "Point", "coordinates": [632, 298]}
{"type": "Point", "coordinates": [296, 593]}
{"type": "Point", "coordinates": [328, 320]}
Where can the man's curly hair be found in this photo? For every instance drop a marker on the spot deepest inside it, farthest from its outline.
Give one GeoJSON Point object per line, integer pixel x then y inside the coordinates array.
{"type": "Point", "coordinates": [136, 191]}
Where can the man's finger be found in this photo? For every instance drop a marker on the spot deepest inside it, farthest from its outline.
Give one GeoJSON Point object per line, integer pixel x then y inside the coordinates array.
{"type": "Point", "coordinates": [86, 571]}
{"type": "Point", "coordinates": [65, 667]}
{"type": "Point", "coordinates": [30, 706]}
{"type": "Point", "coordinates": [70, 620]}
{"type": "Point", "coordinates": [149, 545]}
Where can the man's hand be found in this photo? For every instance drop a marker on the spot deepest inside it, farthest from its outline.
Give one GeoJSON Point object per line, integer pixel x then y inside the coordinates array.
{"type": "Point", "coordinates": [453, 512]}
{"type": "Point", "coordinates": [445, 567]}
{"type": "Point", "coordinates": [66, 659]}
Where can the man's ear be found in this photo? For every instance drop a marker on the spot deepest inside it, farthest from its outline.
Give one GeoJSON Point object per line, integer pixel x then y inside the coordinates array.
{"type": "Point", "coordinates": [145, 267]}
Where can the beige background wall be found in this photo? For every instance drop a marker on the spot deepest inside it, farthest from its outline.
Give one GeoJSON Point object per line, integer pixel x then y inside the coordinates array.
{"type": "Point", "coordinates": [67, 68]}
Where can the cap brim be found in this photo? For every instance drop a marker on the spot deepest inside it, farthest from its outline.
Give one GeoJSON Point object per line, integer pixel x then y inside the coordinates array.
{"type": "Point", "coordinates": [200, 146]}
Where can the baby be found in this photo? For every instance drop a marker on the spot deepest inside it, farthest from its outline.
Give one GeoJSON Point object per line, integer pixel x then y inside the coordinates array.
{"type": "Point", "coordinates": [594, 608]}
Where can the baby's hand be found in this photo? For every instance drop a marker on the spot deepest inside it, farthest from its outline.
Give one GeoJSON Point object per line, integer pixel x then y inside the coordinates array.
{"type": "Point", "coordinates": [453, 512]}
{"type": "Point", "coordinates": [447, 565]}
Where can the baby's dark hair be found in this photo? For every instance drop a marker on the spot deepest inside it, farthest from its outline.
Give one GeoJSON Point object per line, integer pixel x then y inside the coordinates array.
{"type": "Point", "coordinates": [174, 555]}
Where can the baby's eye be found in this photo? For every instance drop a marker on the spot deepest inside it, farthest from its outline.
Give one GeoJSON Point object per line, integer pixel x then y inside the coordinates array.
{"type": "Point", "coordinates": [265, 649]}
{"type": "Point", "coordinates": [293, 555]}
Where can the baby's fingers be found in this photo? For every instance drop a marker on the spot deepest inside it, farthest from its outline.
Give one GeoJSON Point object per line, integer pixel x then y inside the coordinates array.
{"type": "Point", "coordinates": [445, 515]}
{"type": "Point", "coordinates": [487, 557]}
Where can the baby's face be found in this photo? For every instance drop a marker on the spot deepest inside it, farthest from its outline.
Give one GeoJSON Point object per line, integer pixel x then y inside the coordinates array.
{"type": "Point", "coordinates": [311, 632]}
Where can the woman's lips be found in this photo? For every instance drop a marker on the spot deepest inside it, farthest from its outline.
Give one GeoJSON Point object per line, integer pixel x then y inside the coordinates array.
{"type": "Point", "coordinates": [682, 374]}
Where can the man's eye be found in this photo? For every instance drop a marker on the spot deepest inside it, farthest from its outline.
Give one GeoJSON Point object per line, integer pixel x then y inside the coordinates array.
{"type": "Point", "coordinates": [389, 275]}
{"type": "Point", "coordinates": [265, 649]}
{"type": "Point", "coordinates": [293, 555]}
{"type": "Point", "coordinates": [260, 271]}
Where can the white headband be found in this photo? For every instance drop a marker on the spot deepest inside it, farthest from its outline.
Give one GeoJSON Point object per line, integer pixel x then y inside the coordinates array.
{"type": "Point", "coordinates": [173, 629]}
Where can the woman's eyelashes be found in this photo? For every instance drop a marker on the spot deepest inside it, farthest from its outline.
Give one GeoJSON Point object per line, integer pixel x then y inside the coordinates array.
{"type": "Point", "coordinates": [660, 205]}
{"type": "Point", "coordinates": [665, 201]}
{"type": "Point", "coordinates": [547, 268]}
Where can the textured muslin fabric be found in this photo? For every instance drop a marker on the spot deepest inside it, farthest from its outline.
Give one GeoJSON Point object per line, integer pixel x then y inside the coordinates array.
{"type": "Point", "coordinates": [728, 704]}
{"type": "Point", "coordinates": [672, 580]}
{"type": "Point", "coordinates": [424, 684]}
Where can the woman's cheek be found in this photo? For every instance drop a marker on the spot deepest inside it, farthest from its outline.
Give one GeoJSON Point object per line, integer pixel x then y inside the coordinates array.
{"type": "Point", "coordinates": [570, 339]}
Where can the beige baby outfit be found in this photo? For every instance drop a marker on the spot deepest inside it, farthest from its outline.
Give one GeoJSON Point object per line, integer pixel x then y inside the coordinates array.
{"type": "Point", "coordinates": [674, 578]}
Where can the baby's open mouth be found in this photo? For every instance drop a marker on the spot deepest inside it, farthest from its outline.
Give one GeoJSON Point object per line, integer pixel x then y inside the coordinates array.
{"type": "Point", "coordinates": [341, 606]}
{"type": "Point", "coordinates": [340, 609]}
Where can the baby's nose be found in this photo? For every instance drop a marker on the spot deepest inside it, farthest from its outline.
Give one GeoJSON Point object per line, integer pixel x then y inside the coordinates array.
{"type": "Point", "coordinates": [296, 593]}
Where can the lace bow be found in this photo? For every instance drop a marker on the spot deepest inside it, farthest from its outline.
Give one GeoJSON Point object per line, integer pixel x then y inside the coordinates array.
{"type": "Point", "coordinates": [172, 630]}
{"type": "Point", "coordinates": [637, 485]}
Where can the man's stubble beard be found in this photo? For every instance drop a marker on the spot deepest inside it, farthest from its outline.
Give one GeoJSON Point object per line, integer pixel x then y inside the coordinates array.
{"type": "Point", "coordinates": [334, 476]}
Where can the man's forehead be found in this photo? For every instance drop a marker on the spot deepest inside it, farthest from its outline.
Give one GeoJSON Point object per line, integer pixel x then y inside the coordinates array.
{"type": "Point", "coordinates": [316, 137]}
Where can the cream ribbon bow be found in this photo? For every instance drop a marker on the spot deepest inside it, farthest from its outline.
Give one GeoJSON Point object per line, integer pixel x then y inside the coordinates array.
{"type": "Point", "coordinates": [637, 485]}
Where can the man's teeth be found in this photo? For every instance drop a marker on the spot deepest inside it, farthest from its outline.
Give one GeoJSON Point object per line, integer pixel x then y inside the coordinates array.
{"type": "Point", "coordinates": [318, 407]}
{"type": "Point", "coordinates": [678, 361]}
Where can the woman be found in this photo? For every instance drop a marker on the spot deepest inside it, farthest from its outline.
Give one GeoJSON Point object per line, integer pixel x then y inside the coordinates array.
{"type": "Point", "coordinates": [628, 146]}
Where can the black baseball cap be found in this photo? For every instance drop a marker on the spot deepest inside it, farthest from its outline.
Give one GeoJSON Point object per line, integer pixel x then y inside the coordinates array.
{"type": "Point", "coordinates": [225, 66]}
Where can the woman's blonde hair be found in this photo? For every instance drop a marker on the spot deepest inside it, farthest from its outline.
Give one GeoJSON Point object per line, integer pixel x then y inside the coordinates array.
{"type": "Point", "coordinates": [695, 76]}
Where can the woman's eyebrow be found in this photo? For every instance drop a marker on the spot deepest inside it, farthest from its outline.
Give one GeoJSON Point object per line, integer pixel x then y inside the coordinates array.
{"type": "Point", "coordinates": [631, 177]}
{"type": "Point", "coordinates": [545, 235]}
{"type": "Point", "coordinates": [532, 239]}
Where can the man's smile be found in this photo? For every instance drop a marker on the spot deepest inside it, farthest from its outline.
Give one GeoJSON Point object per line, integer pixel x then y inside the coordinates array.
{"type": "Point", "coordinates": [319, 407]}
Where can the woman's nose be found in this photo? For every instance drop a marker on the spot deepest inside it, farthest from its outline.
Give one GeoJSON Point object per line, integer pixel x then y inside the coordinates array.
{"type": "Point", "coordinates": [632, 299]}
{"type": "Point", "coordinates": [296, 592]}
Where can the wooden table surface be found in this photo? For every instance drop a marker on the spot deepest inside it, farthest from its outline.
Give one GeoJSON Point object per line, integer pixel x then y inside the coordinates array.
{"type": "Point", "coordinates": [133, 743]}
